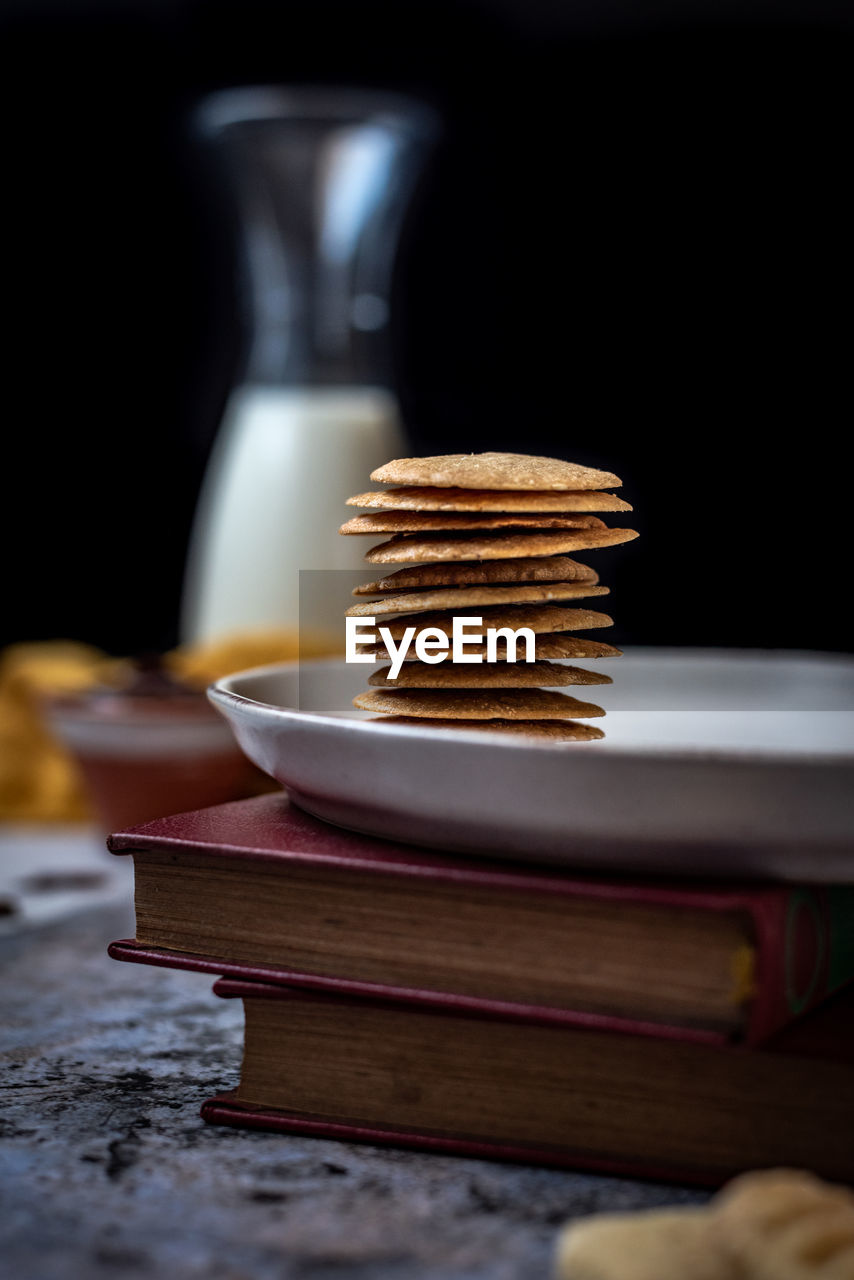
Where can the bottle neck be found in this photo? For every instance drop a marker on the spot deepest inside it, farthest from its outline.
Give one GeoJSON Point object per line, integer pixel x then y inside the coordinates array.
{"type": "Point", "coordinates": [319, 205]}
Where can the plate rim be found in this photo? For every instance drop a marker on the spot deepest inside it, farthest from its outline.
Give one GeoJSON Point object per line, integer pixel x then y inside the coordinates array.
{"type": "Point", "coordinates": [223, 697]}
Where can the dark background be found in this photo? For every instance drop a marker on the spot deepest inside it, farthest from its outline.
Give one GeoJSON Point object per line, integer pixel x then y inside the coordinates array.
{"type": "Point", "coordinates": [631, 249]}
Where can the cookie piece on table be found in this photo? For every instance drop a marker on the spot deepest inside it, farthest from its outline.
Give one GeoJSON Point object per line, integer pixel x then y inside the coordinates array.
{"type": "Point", "coordinates": [783, 1224]}
{"type": "Point", "coordinates": [659, 1244]}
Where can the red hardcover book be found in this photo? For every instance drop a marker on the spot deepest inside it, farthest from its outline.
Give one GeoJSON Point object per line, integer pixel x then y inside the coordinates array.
{"type": "Point", "coordinates": [531, 1089]}
{"type": "Point", "coordinates": [259, 889]}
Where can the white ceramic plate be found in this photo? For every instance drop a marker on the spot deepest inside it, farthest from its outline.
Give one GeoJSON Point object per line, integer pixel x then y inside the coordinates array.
{"type": "Point", "coordinates": [715, 763]}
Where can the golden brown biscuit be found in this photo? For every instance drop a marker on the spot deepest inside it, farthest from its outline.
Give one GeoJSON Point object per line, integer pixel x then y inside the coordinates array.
{"type": "Point", "coordinates": [464, 704]}
{"type": "Point", "coordinates": [660, 1244]}
{"type": "Point", "coordinates": [538, 618]}
{"type": "Point", "coordinates": [557, 645]}
{"type": "Point", "coordinates": [38, 779]}
{"type": "Point", "coordinates": [486, 675]}
{"type": "Point", "coordinates": [466, 521]}
{"type": "Point", "coordinates": [469, 573]}
{"type": "Point", "coordinates": [427, 547]}
{"type": "Point", "coordinates": [493, 471]}
{"type": "Point", "coordinates": [470, 597]}
{"type": "Point", "coordinates": [782, 1224]}
{"type": "Point", "coordinates": [425, 498]}
{"type": "Point", "coordinates": [547, 730]}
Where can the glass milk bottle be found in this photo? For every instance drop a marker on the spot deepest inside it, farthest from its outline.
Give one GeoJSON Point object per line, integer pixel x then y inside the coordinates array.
{"type": "Point", "coordinates": [321, 178]}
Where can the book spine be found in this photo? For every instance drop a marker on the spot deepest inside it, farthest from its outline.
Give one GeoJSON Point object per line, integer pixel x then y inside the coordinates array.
{"type": "Point", "coordinates": [224, 1110]}
{"type": "Point", "coordinates": [804, 952]}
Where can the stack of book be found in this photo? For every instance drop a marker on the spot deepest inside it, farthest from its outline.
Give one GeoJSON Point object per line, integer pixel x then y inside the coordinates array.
{"type": "Point", "coordinates": [393, 995]}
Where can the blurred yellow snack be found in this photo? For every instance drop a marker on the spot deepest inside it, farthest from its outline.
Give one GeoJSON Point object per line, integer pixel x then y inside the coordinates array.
{"type": "Point", "coordinates": [49, 666]}
{"type": "Point", "coordinates": [201, 664]}
{"type": "Point", "coordinates": [38, 780]}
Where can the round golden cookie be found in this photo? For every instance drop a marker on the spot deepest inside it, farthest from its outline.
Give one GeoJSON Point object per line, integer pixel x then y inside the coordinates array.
{"type": "Point", "coordinates": [485, 675]}
{"type": "Point", "coordinates": [465, 704]}
{"type": "Point", "coordinates": [465, 521]}
{"type": "Point", "coordinates": [493, 471]}
{"type": "Point", "coordinates": [469, 573]}
{"type": "Point", "coordinates": [469, 597]}
{"type": "Point", "coordinates": [425, 498]}
{"type": "Point", "coordinates": [538, 618]}
{"type": "Point", "coordinates": [426, 547]}
{"type": "Point", "coordinates": [558, 645]}
{"type": "Point", "coordinates": [545, 730]}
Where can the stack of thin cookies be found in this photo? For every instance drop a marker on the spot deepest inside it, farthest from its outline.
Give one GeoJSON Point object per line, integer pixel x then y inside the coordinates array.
{"type": "Point", "coordinates": [486, 535]}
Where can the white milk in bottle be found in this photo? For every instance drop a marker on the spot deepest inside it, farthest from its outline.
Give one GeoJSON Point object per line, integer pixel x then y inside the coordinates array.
{"type": "Point", "coordinates": [274, 497]}
{"type": "Point", "coordinates": [319, 179]}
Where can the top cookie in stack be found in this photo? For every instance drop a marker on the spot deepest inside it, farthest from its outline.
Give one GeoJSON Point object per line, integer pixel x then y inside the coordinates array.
{"type": "Point", "coordinates": [487, 535]}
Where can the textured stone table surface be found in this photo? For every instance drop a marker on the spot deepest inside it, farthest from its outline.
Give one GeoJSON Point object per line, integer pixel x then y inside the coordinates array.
{"type": "Point", "coordinates": [106, 1169]}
